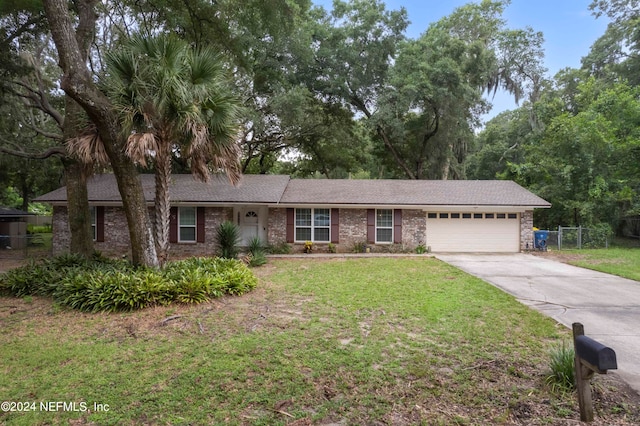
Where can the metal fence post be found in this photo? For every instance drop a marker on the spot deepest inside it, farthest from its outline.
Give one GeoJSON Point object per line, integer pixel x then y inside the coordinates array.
{"type": "Point", "coordinates": [580, 237]}
{"type": "Point", "coordinates": [559, 237]}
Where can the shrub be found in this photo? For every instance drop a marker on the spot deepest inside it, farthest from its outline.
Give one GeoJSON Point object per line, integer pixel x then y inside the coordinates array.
{"type": "Point", "coordinates": [218, 275]}
{"type": "Point", "coordinates": [228, 240]}
{"type": "Point", "coordinates": [39, 278]}
{"type": "Point", "coordinates": [39, 229]}
{"type": "Point", "coordinates": [115, 285]}
{"type": "Point", "coordinates": [257, 252]}
{"type": "Point", "coordinates": [195, 280]}
{"type": "Point", "coordinates": [308, 246]}
{"type": "Point", "coordinates": [360, 247]}
{"type": "Point", "coordinates": [281, 248]}
{"type": "Point", "coordinates": [237, 277]}
{"type": "Point", "coordinates": [561, 375]}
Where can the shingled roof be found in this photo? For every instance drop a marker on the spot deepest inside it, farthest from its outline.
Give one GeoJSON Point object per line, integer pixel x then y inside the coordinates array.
{"type": "Point", "coordinates": [185, 188]}
{"type": "Point", "coordinates": [280, 189]}
{"type": "Point", "coordinates": [11, 212]}
{"type": "Point", "coordinates": [410, 192]}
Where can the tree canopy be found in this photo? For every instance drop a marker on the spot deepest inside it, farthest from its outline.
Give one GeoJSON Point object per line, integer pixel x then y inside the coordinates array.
{"type": "Point", "coordinates": [344, 92]}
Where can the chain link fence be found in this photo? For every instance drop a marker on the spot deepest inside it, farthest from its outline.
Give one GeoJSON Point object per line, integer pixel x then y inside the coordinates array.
{"type": "Point", "coordinates": [570, 237]}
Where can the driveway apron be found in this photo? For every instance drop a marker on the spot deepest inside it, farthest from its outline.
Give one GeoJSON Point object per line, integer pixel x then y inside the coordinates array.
{"type": "Point", "coordinates": [607, 306]}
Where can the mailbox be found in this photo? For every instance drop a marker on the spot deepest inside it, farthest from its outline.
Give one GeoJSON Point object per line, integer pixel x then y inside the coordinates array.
{"type": "Point", "coordinates": [595, 353]}
{"type": "Point", "coordinates": [591, 357]}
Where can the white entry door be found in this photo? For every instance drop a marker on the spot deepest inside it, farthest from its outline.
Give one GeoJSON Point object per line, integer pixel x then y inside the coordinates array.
{"type": "Point", "coordinates": [249, 224]}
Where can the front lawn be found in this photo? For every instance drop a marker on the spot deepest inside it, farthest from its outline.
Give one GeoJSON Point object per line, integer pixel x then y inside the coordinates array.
{"type": "Point", "coordinates": [621, 261]}
{"type": "Point", "coordinates": [345, 341]}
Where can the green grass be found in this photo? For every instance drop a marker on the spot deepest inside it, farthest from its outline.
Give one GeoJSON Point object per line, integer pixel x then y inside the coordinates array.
{"type": "Point", "coordinates": [617, 261]}
{"type": "Point", "coordinates": [358, 341]}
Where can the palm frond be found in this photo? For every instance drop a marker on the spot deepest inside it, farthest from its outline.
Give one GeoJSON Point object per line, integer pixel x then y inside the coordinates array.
{"type": "Point", "coordinates": [168, 93]}
{"type": "Point", "coordinates": [140, 146]}
{"type": "Point", "coordinates": [87, 147]}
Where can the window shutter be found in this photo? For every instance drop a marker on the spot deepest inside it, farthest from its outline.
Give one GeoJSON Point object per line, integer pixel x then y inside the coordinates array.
{"type": "Point", "coordinates": [173, 225]}
{"type": "Point", "coordinates": [397, 226]}
{"type": "Point", "coordinates": [371, 226]}
{"type": "Point", "coordinates": [290, 225]}
{"type": "Point", "coordinates": [100, 224]}
{"type": "Point", "coordinates": [335, 226]}
{"type": "Point", "coordinates": [200, 224]}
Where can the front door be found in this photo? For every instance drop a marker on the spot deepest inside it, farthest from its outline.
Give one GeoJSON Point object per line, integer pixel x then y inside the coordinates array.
{"type": "Point", "coordinates": [249, 223]}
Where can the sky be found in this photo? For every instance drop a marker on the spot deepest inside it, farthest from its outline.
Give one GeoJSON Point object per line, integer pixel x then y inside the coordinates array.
{"type": "Point", "coordinates": [568, 27]}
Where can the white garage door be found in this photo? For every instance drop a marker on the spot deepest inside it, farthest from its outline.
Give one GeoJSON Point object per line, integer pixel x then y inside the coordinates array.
{"type": "Point", "coordinates": [473, 232]}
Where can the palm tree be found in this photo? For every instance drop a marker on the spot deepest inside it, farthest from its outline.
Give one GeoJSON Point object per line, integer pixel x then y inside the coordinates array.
{"type": "Point", "coordinates": [173, 101]}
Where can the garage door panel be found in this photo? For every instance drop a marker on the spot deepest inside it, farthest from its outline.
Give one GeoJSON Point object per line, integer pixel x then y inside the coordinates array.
{"type": "Point", "coordinates": [473, 235]}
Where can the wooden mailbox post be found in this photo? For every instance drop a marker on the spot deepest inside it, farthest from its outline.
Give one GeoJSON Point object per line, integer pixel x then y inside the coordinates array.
{"type": "Point", "coordinates": [590, 357]}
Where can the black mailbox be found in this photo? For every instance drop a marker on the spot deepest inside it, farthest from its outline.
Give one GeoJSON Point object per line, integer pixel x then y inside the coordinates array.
{"type": "Point", "coordinates": [595, 353]}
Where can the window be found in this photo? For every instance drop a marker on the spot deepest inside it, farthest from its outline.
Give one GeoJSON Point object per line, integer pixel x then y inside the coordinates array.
{"type": "Point", "coordinates": [466, 215]}
{"type": "Point", "coordinates": [313, 225]}
{"type": "Point", "coordinates": [455, 215]}
{"type": "Point", "coordinates": [94, 221]}
{"type": "Point", "coordinates": [501, 216]}
{"type": "Point", "coordinates": [384, 226]}
{"type": "Point", "coordinates": [489, 216]}
{"type": "Point", "coordinates": [477, 215]}
{"type": "Point", "coordinates": [187, 224]}
{"type": "Point", "coordinates": [432, 215]}
{"type": "Point", "coordinates": [444, 215]}
{"type": "Point", "coordinates": [513, 216]}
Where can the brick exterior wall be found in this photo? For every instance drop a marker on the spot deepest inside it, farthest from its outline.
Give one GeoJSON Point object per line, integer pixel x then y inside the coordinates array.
{"type": "Point", "coordinates": [276, 226]}
{"type": "Point", "coordinates": [116, 234]}
{"type": "Point", "coordinates": [353, 230]}
{"type": "Point", "coordinates": [526, 230]}
{"type": "Point", "coordinates": [414, 228]}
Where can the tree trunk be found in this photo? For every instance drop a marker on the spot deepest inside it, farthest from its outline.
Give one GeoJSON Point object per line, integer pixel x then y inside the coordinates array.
{"type": "Point", "coordinates": [446, 166]}
{"type": "Point", "coordinates": [24, 190]}
{"type": "Point", "coordinates": [143, 250]}
{"type": "Point", "coordinates": [162, 202]}
{"type": "Point", "coordinates": [78, 208]}
{"type": "Point", "coordinates": [78, 83]}
{"type": "Point", "coordinates": [75, 176]}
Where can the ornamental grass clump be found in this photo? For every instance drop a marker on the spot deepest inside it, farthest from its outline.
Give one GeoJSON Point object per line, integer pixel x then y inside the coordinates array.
{"type": "Point", "coordinates": [561, 376]}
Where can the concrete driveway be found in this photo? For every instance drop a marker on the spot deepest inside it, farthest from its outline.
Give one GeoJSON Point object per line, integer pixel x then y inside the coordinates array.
{"type": "Point", "coordinates": [607, 306]}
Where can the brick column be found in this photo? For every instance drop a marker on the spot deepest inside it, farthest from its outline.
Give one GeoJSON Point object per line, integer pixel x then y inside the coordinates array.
{"type": "Point", "coordinates": [526, 230]}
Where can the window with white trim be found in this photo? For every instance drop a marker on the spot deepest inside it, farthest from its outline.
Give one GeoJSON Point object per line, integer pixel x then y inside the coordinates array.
{"type": "Point", "coordinates": [187, 224]}
{"type": "Point", "coordinates": [384, 226]}
{"type": "Point", "coordinates": [313, 225]}
{"type": "Point", "coordinates": [94, 221]}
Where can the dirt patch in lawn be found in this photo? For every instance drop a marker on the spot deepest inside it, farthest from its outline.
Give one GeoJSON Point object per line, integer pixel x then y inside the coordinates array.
{"type": "Point", "coordinates": [560, 256]}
